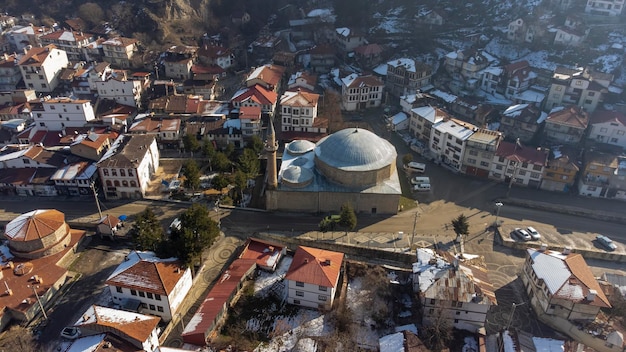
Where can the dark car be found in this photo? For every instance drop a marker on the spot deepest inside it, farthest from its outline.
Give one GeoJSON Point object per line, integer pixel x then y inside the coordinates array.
{"type": "Point", "coordinates": [606, 242]}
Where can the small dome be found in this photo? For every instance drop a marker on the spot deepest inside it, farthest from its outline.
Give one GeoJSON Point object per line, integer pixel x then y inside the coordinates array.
{"type": "Point", "coordinates": [299, 161]}
{"type": "Point", "coordinates": [355, 149]}
{"type": "Point", "coordinates": [300, 147]}
{"type": "Point", "coordinates": [295, 175]}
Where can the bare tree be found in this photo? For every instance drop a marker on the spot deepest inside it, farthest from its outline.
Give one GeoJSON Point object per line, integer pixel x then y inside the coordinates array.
{"type": "Point", "coordinates": [18, 338]}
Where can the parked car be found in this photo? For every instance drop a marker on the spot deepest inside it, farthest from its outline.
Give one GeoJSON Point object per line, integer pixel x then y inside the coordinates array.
{"type": "Point", "coordinates": [533, 233]}
{"type": "Point", "coordinates": [606, 242]}
{"type": "Point", "coordinates": [419, 180]}
{"type": "Point", "coordinates": [421, 187]}
{"type": "Point", "coordinates": [522, 234]}
{"type": "Point", "coordinates": [70, 332]}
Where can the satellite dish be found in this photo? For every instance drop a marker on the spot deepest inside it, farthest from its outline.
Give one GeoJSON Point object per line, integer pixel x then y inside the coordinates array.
{"type": "Point", "coordinates": [76, 132]}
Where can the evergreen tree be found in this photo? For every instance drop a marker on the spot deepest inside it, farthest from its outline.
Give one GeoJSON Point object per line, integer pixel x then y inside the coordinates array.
{"type": "Point", "coordinates": [460, 224]}
{"type": "Point", "coordinates": [197, 232]}
{"type": "Point", "coordinates": [347, 217]}
{"type": "Point", "coordinates": [192, 174]}
{"type": "Point", "coordinates": [147, 233]}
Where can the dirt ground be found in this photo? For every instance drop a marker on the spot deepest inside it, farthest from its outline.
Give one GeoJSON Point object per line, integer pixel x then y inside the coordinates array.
{"type": "Point", "coordinates": [168, 170]}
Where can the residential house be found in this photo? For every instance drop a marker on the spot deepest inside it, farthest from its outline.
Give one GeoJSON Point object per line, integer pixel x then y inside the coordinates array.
{"type": "Point", "coordinates": [201, 74]}
{"type": "Point", "coordinates": [583, 87]}
{"type": "Point", "coordinates": [448, 139]}
{"type": "Point", "coordinates": [465, 66]}
{"type": "Point", "coordinates": [285, 59]}
{"type": "Point", "coordinates": [266, 254]}
{"type": "Point", "coordinates": [561, 171]}
{"type": "Point", "coordinates": [518, 77]}
{"type": "Point", "coordinates": [458, 293]}
{"type": "Point", "coordinates": [117, 85]}
{"type": "Point", "coordinates": [563, 292]}
{"type": "Point", "coordinates": [464, 108]}
{"type": "Point", "coordinates": [69, 41]}
{"type": "Point", "coordinates": [250, 121]}
{"type": "Point", "coordinates": [323, 58]}
{"type": "Point", "coordinates": [598, 171]}
{"type": "Point", "coordinates": [157, 286]}
{"type": "Point", "coordinates": [128, 166]}
{"type": "Point", "coordinates": [41, 66]}
{"type": "Point", "coordinates": [369, 55]}
{"type": "Point", "coordinates": [176, 104]}
{"type": "Point", "coordinates": [348, 39]}
{"type": "Point", "coordinates": [256, 95]}
{"type": "Point", "coordinates": [142, 331]}
{"type": "Point", "coordinates": [303, 81]}
{"type": "Point", "coordinates": [26, 37]}
{"type": "Point", "coordinates": [361, 92]}
{"type": "Point", "coordinates": [566, 125]}
{"type": "Point", "coordinates": [609, 8]}
{"type": "Point", "coordinates": [521, 122]}
{"type": "Point", "coordinates": [406, 76]}
{"type": "Point", "coordinates": [268, 76]}
{"type": "Point", "coordinates": [312, 278]}
{"type": "Point", "coordinates": [57, 113]}
{"type": "Point", "coordinates": [166, 130]}
{"type": "Point", "coordinates": [517, 164]}
{"type": "Point", "coordinates": [423, 119]}
{"type": "Point", "coordinates": [12, 112]}
{"type": "Point", "coordinates": [398, 122]}
{"type": "Point", "coordinates": [531, 29]}
{"type": "Point", "coordinates": [415, 100]}
{"type": "Point", "coordinates": [119, 51]}
{"type": "Point", "coordinates": [216, 55]}
{"type": "Point", "coordinates": [402, 341]}
{"type": "Point", "coordinates": [10, 74]}
{"type": "Point", "coordinates": [569, 35]}
{"type": "Point", "coordinates": [75, 179]}
{"type": "Point", "coordinates": [608, 127]}
{"type": "Point", "coordinates": [265, 45]}
{"type": "Point", "coordinates": [480, 149]}
{"type": "Point", "coordinates": [240, 17]}
{"type": "Point", "coordinates": [298, 111]}
{"type": "Point", "coordinates": [7, 22]}
{"type": "Point", "coordinates": [178, 61]}
{"type": "Point", "coordinates": [212, 313]}
{"type": "Point", "coordinates": [432, 18]}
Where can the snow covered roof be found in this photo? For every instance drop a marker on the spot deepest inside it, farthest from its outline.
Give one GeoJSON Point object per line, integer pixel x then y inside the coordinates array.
{"type": "Point", "coordinates": [447, 97]}
{"type": "Point", "coordinates": [343, 31]}
{"type": "Point", "coordinates": [135, 325]}
{"type": "Point", "coordinates": [408, 64]}
{"type": "Point", "coordinates": [392, 343]}
{"type": "Point", "coordinates": [456, 128]}
{"type": "Point", "coordinates": [146, 272]}
{"type": "Point", "coordinates": [399, 118]}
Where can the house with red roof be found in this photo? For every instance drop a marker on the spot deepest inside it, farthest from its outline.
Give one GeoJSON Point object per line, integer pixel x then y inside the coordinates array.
{"type": "Point", "coordinates": [216, 55]}
{"type": "Point", "coordinates": [212, 312]}
{"type": "Point", "coordinates": [10, 74]}
{"type": "Point", "coordinates": [608, 127]}
{"type": "Point", "coordinates": [302, 80]}
{"type": "Point", "coordinates": [299, 111]}
{"type": "Point", "coordinates": [313, 277]}
{"type": "Point", "coordinates": [268, 76]}
{"type": "Point", "coordinates": [369, 54]}
{"type": "Point", "coordinates": [267, 254]}
{"type": "Point", "coordinates": [166, 130]}
{"type": "Point", "coordinates": [255, 95]}
{"type": "Point", "coordinates": [519, 164]}
{"type": "Point", "coordinates": [119, 51]}
{"type": "Point", "coordinates": [41, 67]}
{"type": "Point", "coordinates": [566, 125]}
{"type": "Point", "coordinates": [70, 41]}
{"type": "Point", "coordinates": [250, 119]}
{"type": "Point", "coordinates": [361, 92]}
{"type": "Point", "coordinates": [156, 286]}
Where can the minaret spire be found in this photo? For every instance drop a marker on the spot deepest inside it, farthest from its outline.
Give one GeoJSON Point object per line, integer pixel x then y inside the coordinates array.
{"type": "Point", "coordinates": [271, 146]}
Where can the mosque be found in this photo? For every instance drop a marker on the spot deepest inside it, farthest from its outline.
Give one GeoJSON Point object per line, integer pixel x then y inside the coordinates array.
{"type": "Point", "coordinates": [352, 166]}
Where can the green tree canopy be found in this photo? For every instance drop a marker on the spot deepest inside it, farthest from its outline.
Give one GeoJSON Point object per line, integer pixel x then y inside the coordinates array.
{"type": "Point", "coordinates": [197, 232]}
{"type": "Point", "coordinates": [241, 181]}
{"type": "Point", "coordinates": [208, 149]}
{"type": "Point", "coordinates": [249, 163]}
{"type": "Point", "coordinates": [221, 162]}
{"type": "Point", "coordinates": [407, 158]}
{"type": "Point", "coordinates": [219, 182]}
{"type": "Point", "coordinates": [347, 216]}
{"type": "Point", "coordinates": [229, 150]}
{"type": "Point", "coordinates": [190, 142]}
{"type": "Point", "coordinates": [147, 233]}
{"type": "Point", "coordinates": [256, 144]}
{"type": "Point", "coordinates": [191, 171]}
{"type": "Point", "coordinates": [91, 12]}
{"type": "Point", "coordinates": [461, 225]}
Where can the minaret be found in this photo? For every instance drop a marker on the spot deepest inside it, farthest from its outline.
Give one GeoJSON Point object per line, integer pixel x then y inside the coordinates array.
{"type": "Point", "coordinates": [271, 146]}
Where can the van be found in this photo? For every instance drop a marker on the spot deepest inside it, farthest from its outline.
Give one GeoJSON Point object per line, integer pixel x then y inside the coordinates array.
{"type": "Point", "coordinates": [419, 180]}
{"type": "Point", "coordinates": [415, 167]}
{"type": "Point", "coordinates": [422, 187]}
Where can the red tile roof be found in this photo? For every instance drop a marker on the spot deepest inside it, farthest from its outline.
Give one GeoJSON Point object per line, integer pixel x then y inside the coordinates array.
{"type": "Point", "coordinates": [156, 276]}
{"type": "Point", "coordinates": [203, 322]}
{"type": "Point", "coordinates": [572, 116]}
{"type": "Point", "coordinates": [602, 116]}
{"type": "Point", "coordinates": [519, 153]}
{"type": "Point", "coordinates": [36, 56]}
{"type": "Point", "coordinates": [315, 266]}
{"type": "Point", "coordinates": [36, 224]}
{"type": "Point", "coordinates": [250, 112]}
{"type": "Point", "coordinates": [137, 326]}
{"type": "Point", "coordinates": [258, 94]}
{"type": "Point", "coordinates": [261, 251]}
{"type": "Point", "coordinates": [579, 269]}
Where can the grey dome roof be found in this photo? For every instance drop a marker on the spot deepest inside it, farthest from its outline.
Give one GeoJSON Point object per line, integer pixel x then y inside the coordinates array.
{"type": "Point", "coordinates": [300, 147]}
{"type": "Point", "coordinates": [355, 149]}
{"type": "Point", "coordinates": [297, 175]}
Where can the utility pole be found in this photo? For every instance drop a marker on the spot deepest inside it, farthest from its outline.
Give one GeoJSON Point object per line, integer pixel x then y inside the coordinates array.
{"type": "Point", "coordinates": [95, 196]}
{"type": "Point", "coordinates": [414, 226]}
{"type": "Point", "coordinates": [43, 311]}
{"type": "Point", "coordinates": [498, 206]}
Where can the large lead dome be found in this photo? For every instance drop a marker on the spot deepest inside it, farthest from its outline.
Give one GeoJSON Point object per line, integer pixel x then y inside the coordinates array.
{"type": "Point", "coordinates": [355, 157]}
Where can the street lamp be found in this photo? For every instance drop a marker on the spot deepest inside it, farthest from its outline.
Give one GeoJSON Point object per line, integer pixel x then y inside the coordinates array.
{"type": "Point", "coordinates": [498, 206]}
{"type": "Point", "coordinates": [43, 311]}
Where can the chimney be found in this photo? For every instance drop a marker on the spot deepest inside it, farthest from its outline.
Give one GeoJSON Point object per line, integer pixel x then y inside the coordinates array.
{"type": "Point", "coordinates": [543, 247]}
{"type": "Point", "coordinates": [85, 317]}
{"type": "Point", "coordinates": [591, 295]}
{"type": "Point", "coordinates": [327, 262]}
{"type": "Point", "coordinates": [567, 250]}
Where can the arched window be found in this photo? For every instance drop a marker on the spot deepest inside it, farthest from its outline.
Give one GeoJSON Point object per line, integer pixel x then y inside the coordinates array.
{"type": "Point", "coordinates": [130, 172]}
{"type": "Point", "coordinates": [116, 183]}
{"type": "Point", "coordinates": [133, 184]}
{"type": "Point", "coordinates": [124, 183]}
{"type": "Point", "coordinates": [109, 184]}
{"type": "Point", "coordinates": [122, 172]}
{"type": "Point", "coordinates": [114, 172]}
{"type": "Point", "coordinates": [105, 172]}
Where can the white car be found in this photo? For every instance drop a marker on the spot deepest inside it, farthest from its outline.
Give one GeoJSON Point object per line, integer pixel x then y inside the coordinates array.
{"type": "Point", "coordinates": [522, 234]}
{"type": "Point", "coordinates": [533, 233]}
{"type": "Point", "coordinates": [70, 332]}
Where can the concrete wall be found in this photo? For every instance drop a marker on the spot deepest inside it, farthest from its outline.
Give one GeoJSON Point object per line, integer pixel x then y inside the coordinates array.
{"type": "Point", "coordinates": [325, 202]}
{"type": "Point", "coordinates": [564, 209]}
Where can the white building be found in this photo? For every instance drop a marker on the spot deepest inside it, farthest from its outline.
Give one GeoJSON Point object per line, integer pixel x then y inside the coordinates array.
{"type": "Point", "coordinates": [298, 111]}
{"type": "Point", "coordinates": [605, 7]}
{"type": "Point", "coordinates": [518, 164]}
{"type": "Point", "coordinates": [250, 119]}
{"type": "Point", "coordinates": [119, 51]}
{"type": "Point", "coordinates": [480, 149]}
{"type": "Point", "coordinates": [40, 67]}
{"type": "Point", "coordinates": [423, 119]}
{"type": "Point", "coordinates": [142, 331]}
{"type": "Point", "coordinates": [69, 41]}
{"type": "Point", "coordinates": [459, 294]}
{"type": "Point", "coordinates": [608, 127]}
{"type": "Point", "coordinates": [361, 92]}
{"type": "Point", "coordinates": [116, 85]}
{"type": "Point", "coordinates": [159, 285]}
{"type": "Point", "coordinates": [59, 113]}
{"type": "Point", "coordinates": [10, 74]}
{"type": "Point", "coordinates": [302, 80]}
{"type": "Point", "coordinates": [127, 167]}
{"type": "Point", "coordinates": [448, 139]}
{"type": "Point", "coordinates": [313, 277]}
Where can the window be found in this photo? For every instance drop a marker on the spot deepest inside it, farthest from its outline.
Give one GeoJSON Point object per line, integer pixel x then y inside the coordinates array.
{"type": "Point", "coordinates": [133, 184]}
{"type": "Point", "coordinates": [322, 298]}
{"type": "Point", "coordinates": [535, 175]}
{"type": "Point", "coordinates": [157, 297]}
{"type": "Point", "coordinates": [522, 173]}
{"type": "Point", "coordinates": [459, 304]}
{"type": "Point", "coordinates": [484, 164]}
{"type": "Point", "coordinates": [498, 167]}
{"type": "Point", "coordinates": [323, 288]}
{"type": "Point", "coordinates": [105, 172]}
{"type": "Point", "coordinates": [458, 313]}
{"type": "Point", "coordinates": [116, 183]}
{"type": "Point", "coordinates": [109, 183]}
{"type": "Point", "coordinates": [122, 173]}
{"type": "Point", "coordinates": [299, 293]}
{"type": "Point", "coordinates": [537, 167]}
{"type": "Point", "coordinates": [473, 152]}
{"type": "Point", "coordinates": [26, 161]}
{"type": "Point", "coordinates": [124, 183]}
{"type": "Point", "coordinates": [603, 129]}
{"type": "Point", "coordinates": [471, 161]}
{"type": "Point", "coordinates": [118, 289]}
{"type": "Point", "coordinates": [152, 307]}
{"type": "Point", "coordinates": [114, 172]}
{"type": "Point", "coordinates": [620, 132]}
{"type": "Point", "coordinates": [296, 301]}
{"type": "Point", "coordinates": [431, 311]}
{"type": "Point", "coordinates": [143, 305]}
{"type": "Point", "coordinates": [432, 301]}
{"type": "Point", "coordinates": [133, 292]}
{"type": "Point", "coordinates": [299, 284]}
{"type": "Point", "coordinates": [149, 295]}
{"type": "Point", "coordinates": [142, 294]}
{"type": "Point", "coordinates": [130, 172]}
{"type": "Point", "coordinates": [613, 140]}
{"type": "Point", "coordinates": [160, 309]}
